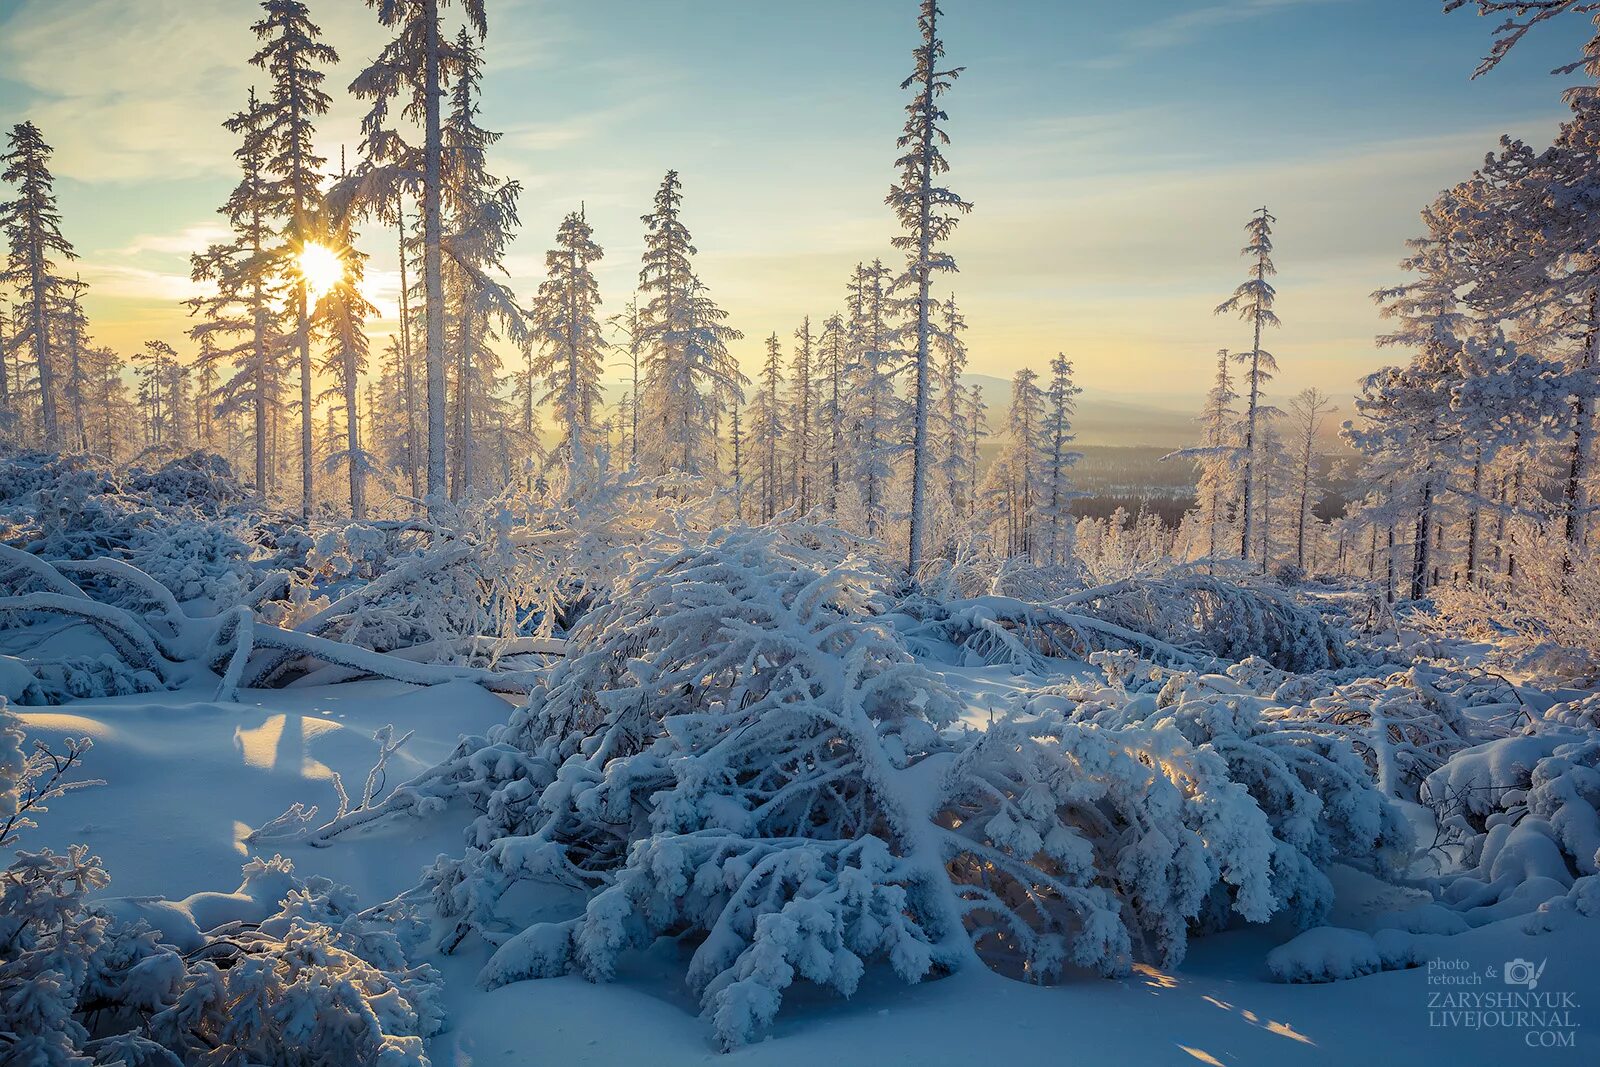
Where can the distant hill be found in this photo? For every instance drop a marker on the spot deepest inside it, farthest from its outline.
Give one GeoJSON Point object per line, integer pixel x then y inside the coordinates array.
{"type": "Point", "coordinates": [1101, 420]}
{"type": "Point", "coordinates": [1162, 422]}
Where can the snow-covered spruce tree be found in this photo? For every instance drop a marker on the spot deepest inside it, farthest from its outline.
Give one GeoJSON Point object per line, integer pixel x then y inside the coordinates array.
{"type": "Point", "coordinates": [628, 323]}
{"type": "Point", "coordinates": [239, 324]}
{"type": "Point", "coordinates": [688, 372]}
{"type": "Point", "coordinates": [797, 813]}
{"type": "Point", "coordinates": [111, 432]}
{"type": "Point", "coordinates": [292, 56]}
{"type": "Point", "coordinates": [8, 401]}
{"type": "Point", "coordinates": [480, 212]}
{"type": "Point", "coordinates": [163, 395]}
{"type": "Point", "coordinates": [1414, 424]}
{"type": "Point", "coordinates": [768, 422]}
{"type": "Point", "coordinates": [1216, 460]}
{"type": "Point", "coordinates": [736, 464]}
{"type": "Point", "coordinates": [1532, 232]}
{"type": "Point", "coordinates": [1013, 481]}
{"type": "Point", "coordinates": [1252, 302]}
{"type": "Point", "coordinates": [928, 213]}
{"type": "Point", "coordinates": [414, 70]}
{"type": "Point", "coordinates": [977, 429]}
{"type": "Point", "coordinates": [74, 377]}
{"type": "Point", "coordinates": [874, 409]}
{"type": "Point", "coordinates": [957, 481]}
{"type": "Point", "coordinates": [571, 347]}
{"type": "Point", "coordinates": [1055, 505]}
{"type": "Point", "coordinates": [340, 317]}
{"type": "Point", "coordinates": [1272, 483]}
{"type": "Point", "coordinates": [1309, 410]}
{"type": "Point", "coordinates": [32, 225]}
{"type": "Point", "coordinates": [833, 385]}
{"type": "Point", "coordinates": [802, 406]}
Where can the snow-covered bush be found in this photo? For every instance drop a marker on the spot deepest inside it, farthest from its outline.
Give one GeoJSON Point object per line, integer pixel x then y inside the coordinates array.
{"type": "Point", "coordinates": [1545, 619]}
{"type": "Point", "coordinates": [740, 753]}
{"type": "Point", "coordinates": [293, 975]}
{"type": "Point", "coordinates": [1231, 620]}
{"type": "Point", "coordinates": [56, 681]}
{"type": "Point", "coordinates": [1188, 620]}
{"type": "Point", "coordinates": [1520, 818]}
{"type": "Point", "coordinates": [1313, 788]}
{"type": "Point", "coordinates": [1405, 726]}
{"type": "Point", "coordinates": [471, 584]}
{"type": "Point", "coordinates": [85, 514]}
{"type": "Point", "coordinates": [200, 480]}
{"type": "Point", "coordinates": [25, 473]}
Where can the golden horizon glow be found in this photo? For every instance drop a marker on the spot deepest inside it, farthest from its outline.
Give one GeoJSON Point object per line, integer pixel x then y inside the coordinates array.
{"type": "Point", "coordinates": [320, 269]}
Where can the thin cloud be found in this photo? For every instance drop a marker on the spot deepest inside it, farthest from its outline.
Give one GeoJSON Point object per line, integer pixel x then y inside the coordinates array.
{"type": "Point", "coordinates": [129, 99]}
{"type": "Point", "coordinates": [190, 239]}
{"type": "Point", "coordinates": [1188, 26]}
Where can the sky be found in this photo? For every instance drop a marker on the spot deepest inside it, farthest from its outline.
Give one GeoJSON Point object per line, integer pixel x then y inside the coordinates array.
{"type": "Point", "coordinates": [1113, 151]}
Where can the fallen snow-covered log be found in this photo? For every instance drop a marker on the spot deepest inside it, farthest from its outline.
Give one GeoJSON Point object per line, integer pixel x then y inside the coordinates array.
{"type": "Point", "coordinates": [367, 663]}
{"type": "Point", "coordinates": [466, 649]}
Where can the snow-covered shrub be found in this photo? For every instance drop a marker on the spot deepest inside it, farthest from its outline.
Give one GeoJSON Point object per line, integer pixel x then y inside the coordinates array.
{"type": "Point", "coordinates": [1547, 618]}
{"type": "Point", "coordinates": [313, 982]}
{"type": "Point", "coordinates": [994, 629]}
{"type": "Point", "coordinates": [25, 473]}
{"type": "Point", "coordinates": [468, 586]}
{"type": "Point", "coordinates": [1405, 726]}
{"type": "Point", "coordinates": [730, 739]}
{"type": "Point", "coordinates": [1325, 954]}
{"type": "Point", "coordinates": [195, 555]}
{"type": "Point", "coordinates": [1022, 579]}
{"type": "Point", "coordinates": [742, 755]}
{"type": "Point", "coordinates": [56, 681]}
{"type": "Point", "coordinates": [200, 480]}
{"type": "Point", "coordinates": [1521, 816]}
{"type": "Point", "coordinates": [302, 979]}
{"type": "Point", "coordinates": [1231, 620]}
{"type": "Point", "coordinates": [1123, 546]}
{"type": "Point", "coordinates": [1313, 789]}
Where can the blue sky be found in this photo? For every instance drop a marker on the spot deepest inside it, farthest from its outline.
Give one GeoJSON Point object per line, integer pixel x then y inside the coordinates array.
{"type": "Point", "coordinates": [1113, 152]}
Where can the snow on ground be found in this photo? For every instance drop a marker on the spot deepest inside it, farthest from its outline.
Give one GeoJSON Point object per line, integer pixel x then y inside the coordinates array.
{"type": "Point", "coordinates": [987, 692]}
{"type": "Point", "coordinates": [186, 777]}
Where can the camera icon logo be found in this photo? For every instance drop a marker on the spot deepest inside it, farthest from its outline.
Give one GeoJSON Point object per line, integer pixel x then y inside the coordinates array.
{"type": "Point", "coordinates": [1523, 973]}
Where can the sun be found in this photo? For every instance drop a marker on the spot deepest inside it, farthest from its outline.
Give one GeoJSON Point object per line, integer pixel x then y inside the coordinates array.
{"type": "Point", "coordinates": [320, 268]}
